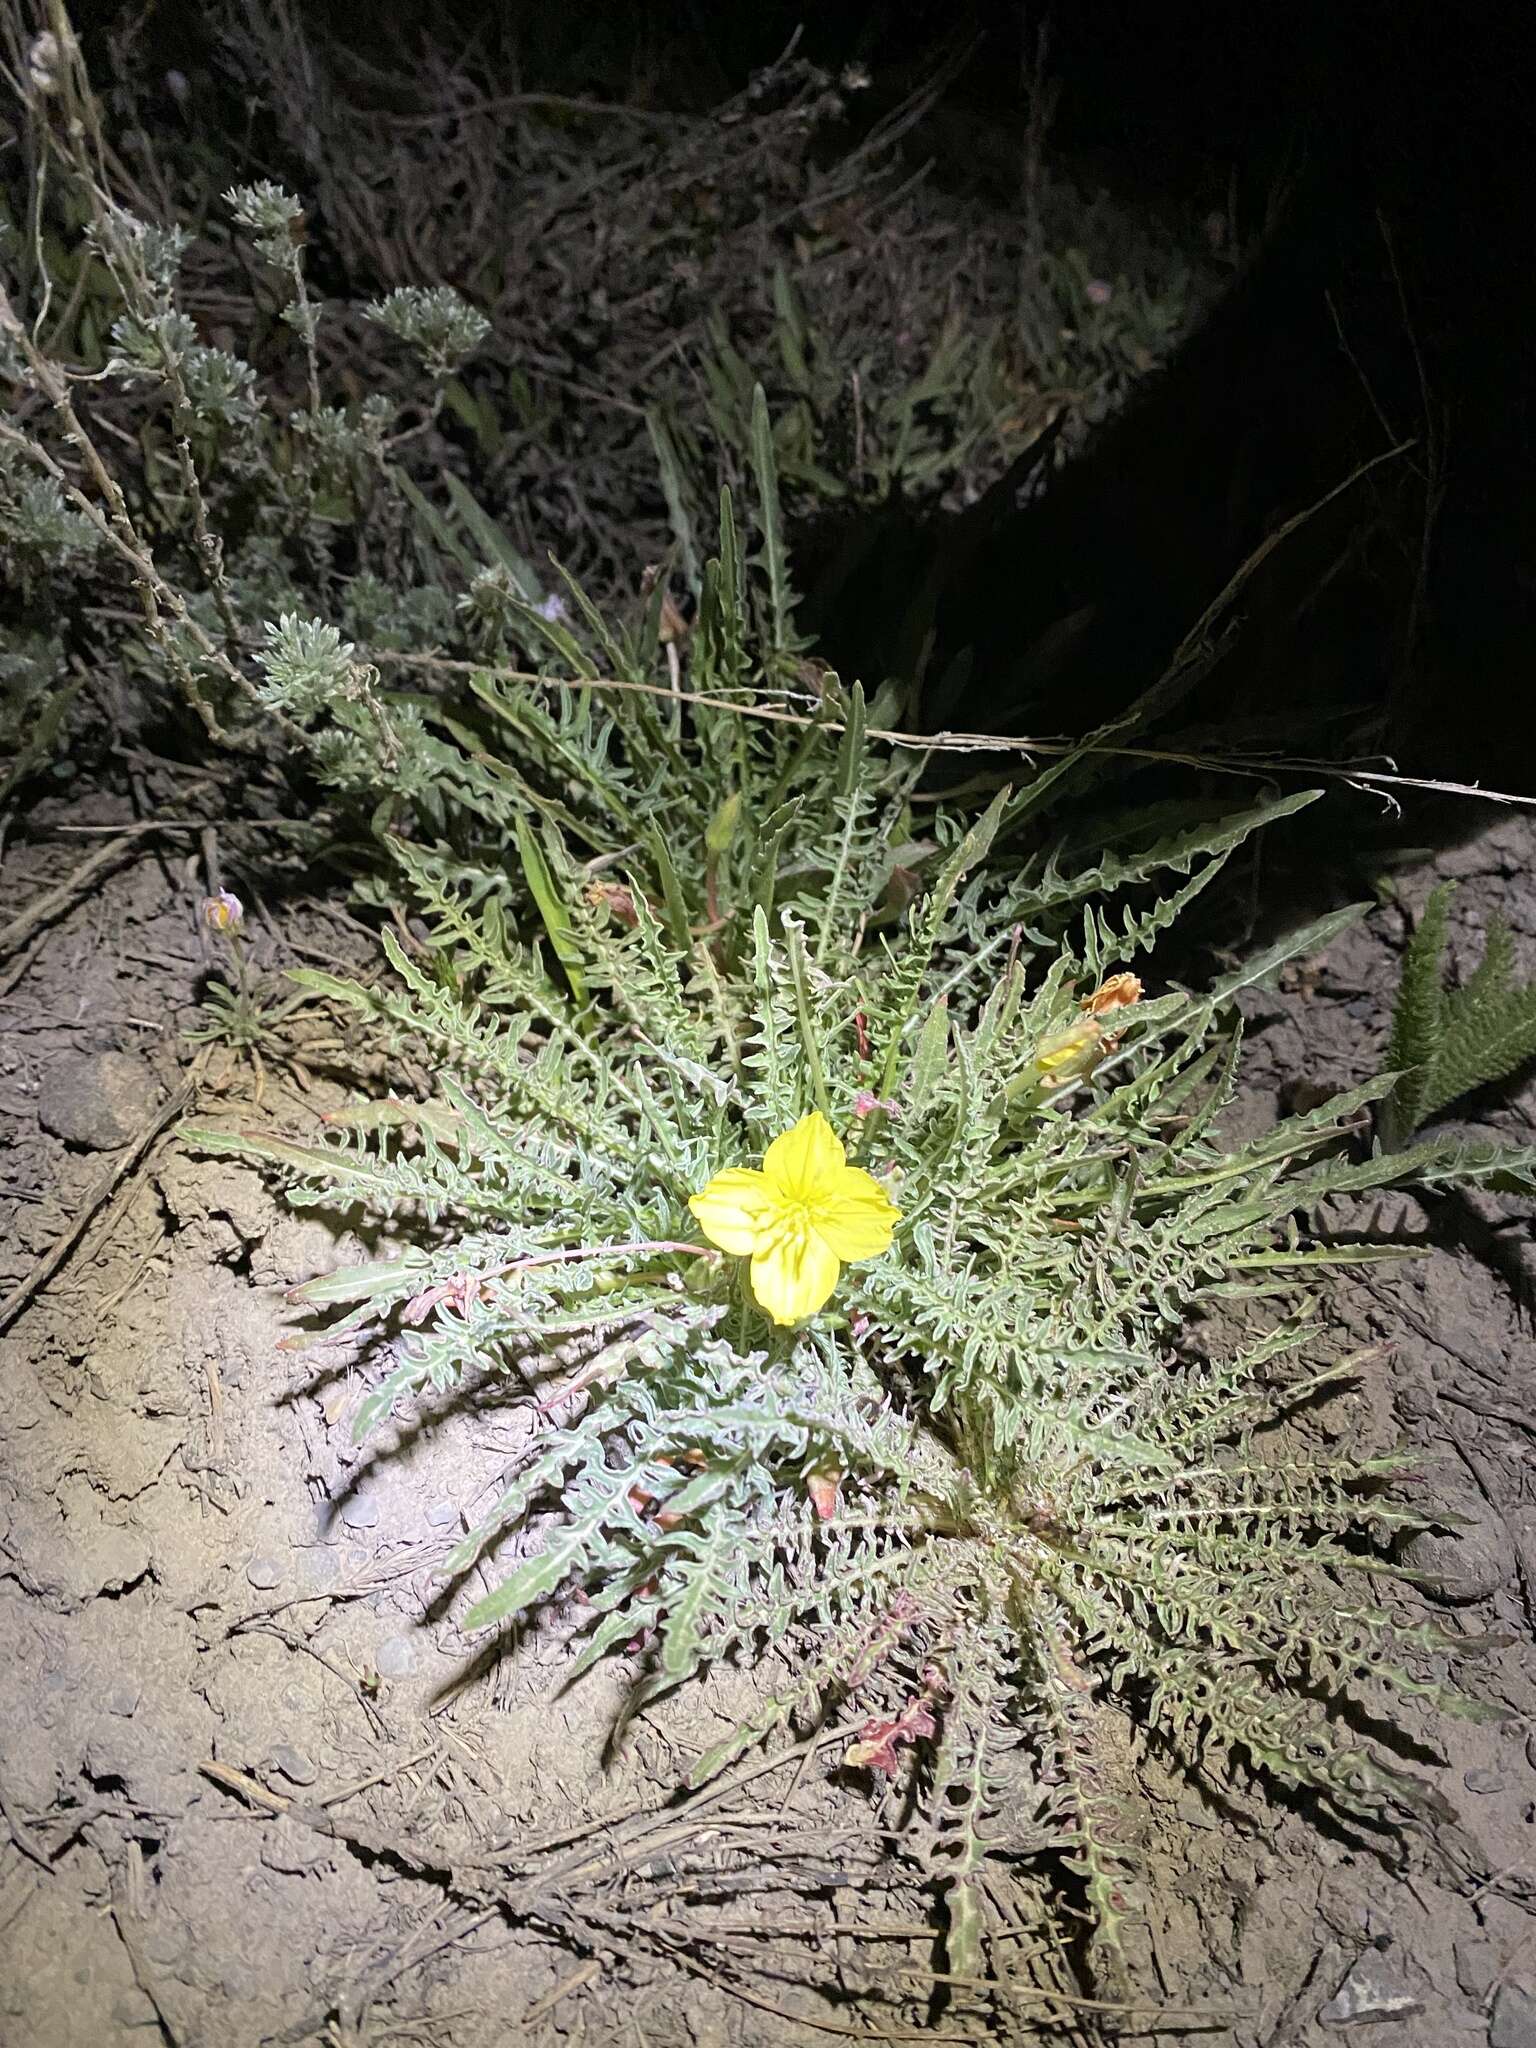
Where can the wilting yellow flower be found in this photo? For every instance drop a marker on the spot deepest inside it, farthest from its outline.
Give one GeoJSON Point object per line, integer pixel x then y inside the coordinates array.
{"type": "Point", "coordinates": [1072, 1054]}
{"type": "Point", "coordinates": [1120, 992]}
{"type": "Point", "coordinates": [800, 1219]}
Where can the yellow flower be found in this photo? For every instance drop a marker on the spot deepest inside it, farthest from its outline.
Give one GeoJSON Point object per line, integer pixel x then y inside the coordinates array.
{"type": "Point", "coordinates": [1070, 1054]}
{"type": "Point", "coordinates": [801, 1218]}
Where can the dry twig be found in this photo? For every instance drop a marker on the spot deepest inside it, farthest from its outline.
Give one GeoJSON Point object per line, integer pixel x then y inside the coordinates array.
{"type": "Point", "coordinates": [122, 1164]}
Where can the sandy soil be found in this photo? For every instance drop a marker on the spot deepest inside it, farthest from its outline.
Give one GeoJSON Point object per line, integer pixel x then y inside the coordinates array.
{"type": "Point", "coordinates": [256, 1786]}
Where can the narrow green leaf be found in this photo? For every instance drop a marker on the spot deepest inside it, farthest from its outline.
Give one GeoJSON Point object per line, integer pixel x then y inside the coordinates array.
{"type": "Point", "coordinates": [673, 903]}
{"type": "Point", "coordinates": [321, 1162]}
{"type": "Point", "coordinates": [322, 984]}
{"type": "Point", "coordinates": [775, 559]}
{"type": "Point", "coordinates": [790, 331]}
{"type": "Point", "coordinates": [552, 910]}
{"type": "Point", "coordinates": [930, 1062]}
{"type": "Point", "coordinates": [1296, 945]}
{"type": "Point", "coordinates": [810, 1036]}
{"type": "Point", "coordinates": [404, 1379]}
{"type": "Point", "coordinates": [564, 1552]}
{"type": "Point", "coordinates": [362, 1283]}
{"type": "Point", "coordinates": [433, 526]}
{"type": "Point", "coordinates": [493, 542]}
{"type": "Point", "coordinates": [850, 751]}
{"type": "Point", "coordinates": [674, 490]}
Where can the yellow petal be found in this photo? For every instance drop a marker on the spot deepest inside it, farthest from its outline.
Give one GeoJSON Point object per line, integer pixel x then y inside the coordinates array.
{"type": "Point", "coordinates": [1071, 1053]}
{"type": "Point", "coordinates": [794, 1275]}
{"type": "Point", "coordinates": [855, 1216]}
{"type": "Point", "coordinates": [804, 1159]}
{"type": "Point", "coordinates": [736, 1209]}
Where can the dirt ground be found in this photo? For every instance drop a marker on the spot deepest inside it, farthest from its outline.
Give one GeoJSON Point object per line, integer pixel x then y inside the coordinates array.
{"type": "Point", "coordinates": [256, 1786]}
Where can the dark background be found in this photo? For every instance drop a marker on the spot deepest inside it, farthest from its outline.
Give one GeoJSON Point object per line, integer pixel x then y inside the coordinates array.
{"type": "Point", "coordinates": [1375, 159]}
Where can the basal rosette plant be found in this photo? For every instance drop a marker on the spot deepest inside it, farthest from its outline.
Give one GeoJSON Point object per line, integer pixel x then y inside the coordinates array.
{"type": "Point", "coordinates": [928, 1407]}
{"type": "Point", "coordinates": [986, 1484]}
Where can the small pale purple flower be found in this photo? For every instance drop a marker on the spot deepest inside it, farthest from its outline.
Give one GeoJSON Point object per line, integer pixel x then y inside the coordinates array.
{"type": "Point", "coordinates": [553, 608]}
{"type": "Point", "coordinates": [224, 912]}
{"type": "Point", "coordinates": [1097, 292]}
{"type": "Point", "coordinates": [866, 1102]}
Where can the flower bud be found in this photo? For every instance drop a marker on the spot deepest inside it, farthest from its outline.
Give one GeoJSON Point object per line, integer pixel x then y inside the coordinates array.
{"type": "Point", "coordinates": [822, 1488]}
{"type": "Point", "coordinates": [616, 900]}
{"type": "Point", "coordinates": [1070, 1055]}
{"type": "Point", "coordinates": [723, 826]}
{"type": "Point", "coordinates": [224, 912]}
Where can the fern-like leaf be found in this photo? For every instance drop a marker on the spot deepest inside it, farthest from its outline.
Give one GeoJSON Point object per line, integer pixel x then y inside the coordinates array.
{"type": "Point", "coordinates": [1418, 1021]}
{"type": "Point", "coordinates": [1445, 1044]}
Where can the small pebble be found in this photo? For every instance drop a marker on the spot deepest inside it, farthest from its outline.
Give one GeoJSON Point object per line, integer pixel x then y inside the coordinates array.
{"type": "Point", "coordinates": [123, 1701]}
{"type": "Point", "coordinates": [165, 1943]}
{"type": "Point", "coordinates": [319, 1569]}
{"type": "Point", "coordinates": [1477, 1965]}
{"type": "Point", "coordinates": [395, 1658]}
{"type": "Point", "coordinates": [263, 1573]}
{"type": "Point", "coordinates": [294, 1764]}
{"type": "Point", "coordinates": [442, 1514]}
{"type": "Point", "coordinates": [360, 1511]}
{"type": "Point", "coordinates": [1481, 1778]}
{"type": "Point", "coordinates": [1371, 1993]}
{"type": "Point", "coordinates": [135, 2009]}
{"type": "Point", "coordinates": [1466, 1562]}
{"type": "Point", "coordinates": [97, 1100]}
{"type": "Point", "coordinates": [1513, 2020]}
